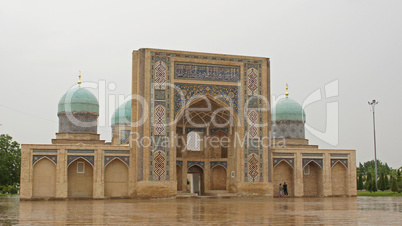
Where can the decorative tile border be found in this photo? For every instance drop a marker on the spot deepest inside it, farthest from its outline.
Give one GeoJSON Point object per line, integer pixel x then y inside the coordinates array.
{"type": "Point", "coordinates": [72, 158]}
{"type": "Point", "coordinates": [36, 158]}
{"type": "Point", "coordinates": [125, 159]}
{"type": "Point", "coordinates": [318, 161]}
{"type": "Point", "coordinates": [44, 150]}
{"type": "Point", "coordinates": [313, 154]}
{"type": "Point", "coordinates": [283, 154]}
{"type": "Point", "coordinates": [291, 161]}
{"type": "Point", "coordinates": [209, 72]}
{"type": "Point", "coordinates": [118, 152]}
{"type": "Point", "coordinates": [221, 163]}
{"type": "Point", "coordinates": [79, 151]}
{"type": "Point", "coordinates": [198, 163]}
{"type": "Point", "coordinates": [339, 155]}
{"type": "Point", "coordinates": [343, 161]}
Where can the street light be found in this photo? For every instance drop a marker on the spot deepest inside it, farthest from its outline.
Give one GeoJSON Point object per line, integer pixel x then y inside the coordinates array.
{"type": "Point", "coordinates": [372, 104]}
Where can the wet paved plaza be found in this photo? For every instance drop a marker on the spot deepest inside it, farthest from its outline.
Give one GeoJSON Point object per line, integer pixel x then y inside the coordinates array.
{"type": "Point", "coordinates": [357, 210]}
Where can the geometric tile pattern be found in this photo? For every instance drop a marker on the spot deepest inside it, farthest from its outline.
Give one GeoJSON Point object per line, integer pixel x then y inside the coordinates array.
{"type": "Point", "coordinates": [185, 91]}
{"type": "Point", "coordinates": [71, 158]}
{"type": "Point", "coordinates": [108, 159]}
{"type": "Point", "coordinates": [159, 158]}
{"type": "Point", "coordinates": [288, 129]}
{"type": "Point", "coordinates": [252, 126]}
{"type": "Point", "coordinates": [307, 161]}
{"type": "Point", "coordinates": [253, 168]}
{"type": "Point", "coordinates": [221, 163]}
{"type": "Point", "coordinates": [159, 115]}
{"type": "Point", "coordinates": [36, 158]}
{"type": "Point", "coordinates": [252, 84]}
{"type": "Point", "coordinates": [160, 75]}
{"type": "Point", "coordinates": [343, 161]}
{"type": "Point", "coordinates": [159, 120]}
{"type": "Point", "coordinates": [288, 160]}
{"type": "Point", "coordinates": [253, 132]}
{"type": "Point", "coordinates": [206, 72]}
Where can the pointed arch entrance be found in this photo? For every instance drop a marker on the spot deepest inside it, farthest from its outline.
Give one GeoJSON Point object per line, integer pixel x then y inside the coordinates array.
{"type": "Point", "coordinates": [116, 179]}
{"type": "Point", "coordinates": [339, 179]}
{"type": "Point", "coordinates": [80, 178]}
{"type": "Point", "coordinates": [195, 174]}
{"type": "Point", "coordinates": [283, 172]}
{"type": "Point", "coordinates": [218, 180]}
{"type": "Point", "coordinates": [312, 179]}
{"type": "Point", "coordinates": [44, 179]}
{"type": "Point", "coordinates": [214, 124]}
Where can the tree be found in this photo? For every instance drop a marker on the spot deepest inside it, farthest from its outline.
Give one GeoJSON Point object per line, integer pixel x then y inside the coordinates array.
{"type": "Point", "coordinates": [386, 182]}
{"type": "Point", "coordinates": [381, 184]}
{"type": "Point", "coordinates": [373, 186]}
{"type": "Point", "coordinates": [394, 187]}
{"type": "Point", "coordinates": [360, 182]}
{"type": "Point", "coordinates": [10, 161]}
{"type": "Point", "coordinates": [367, 185]}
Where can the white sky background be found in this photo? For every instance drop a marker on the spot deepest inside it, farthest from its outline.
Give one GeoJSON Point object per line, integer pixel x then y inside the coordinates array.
{"type": "Point", "coordinates": [43, 44]}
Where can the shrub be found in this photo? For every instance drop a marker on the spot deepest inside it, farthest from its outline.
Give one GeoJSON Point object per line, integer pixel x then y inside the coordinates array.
{"type": "Point", "coordinates": [13, 190]}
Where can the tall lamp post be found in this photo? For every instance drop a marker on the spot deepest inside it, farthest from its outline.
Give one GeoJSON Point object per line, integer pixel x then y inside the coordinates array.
{"type": "Point", "coordinates": [372, 104]}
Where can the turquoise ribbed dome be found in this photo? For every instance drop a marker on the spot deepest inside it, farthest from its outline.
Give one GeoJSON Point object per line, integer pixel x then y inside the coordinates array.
{"type": "Point", "coordinates": [122, 115]}
{"type": "Point", "coordinates": [78, 99]}
{"type": "Point", "coordinates": [289, 110]}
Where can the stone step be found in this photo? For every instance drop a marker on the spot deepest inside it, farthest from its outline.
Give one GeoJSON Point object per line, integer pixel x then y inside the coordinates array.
{"type": "Point", "coordinates": [186, 195]}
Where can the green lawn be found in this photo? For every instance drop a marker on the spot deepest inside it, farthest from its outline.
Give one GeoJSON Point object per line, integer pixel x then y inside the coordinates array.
{"type": "Point", "coordinates": [379, 193]}
{"type": "Point", "coordinates": [7, 194]}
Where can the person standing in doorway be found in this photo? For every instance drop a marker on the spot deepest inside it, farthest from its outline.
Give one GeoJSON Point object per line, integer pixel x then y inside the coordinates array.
{"type": "Point", "coordinates": [285, 189]}
{"type": "Point", "coordinates": [280, 190]}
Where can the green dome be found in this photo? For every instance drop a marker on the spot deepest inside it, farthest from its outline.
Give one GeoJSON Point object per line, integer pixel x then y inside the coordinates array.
{"type": "Point", "coordinates": [289, 110]}
{"type": "Point", "coordinates": [78, 99]}
{"type": "Point", "coordinates": [122, 115]}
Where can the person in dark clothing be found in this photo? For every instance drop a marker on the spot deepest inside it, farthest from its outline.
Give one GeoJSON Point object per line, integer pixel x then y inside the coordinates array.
{"type": "Point", "coordinates": [285, 189]}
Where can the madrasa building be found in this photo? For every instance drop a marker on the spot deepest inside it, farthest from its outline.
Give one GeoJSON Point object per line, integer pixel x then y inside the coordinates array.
{"type": "Point", "coordinates": [197, 124]}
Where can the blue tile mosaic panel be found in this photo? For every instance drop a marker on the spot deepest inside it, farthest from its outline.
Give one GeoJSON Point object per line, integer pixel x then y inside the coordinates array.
{"type": "Point", "coordinates": [207, 72]}
{"type": "Point", "coordinates": [227, 94]}
{"type": "Point", "coordinates": [36, 158]}
{"type": "Point", "coordinates": [72, 158]}
{"type": "Point", "coordinates": [307, 161]}
{"type": "Point", "coordinates": [343, 161]}
{"type": "Point", "coordinates": [221, 163]}
{"type": "Point", "coordinates": [125, 159]}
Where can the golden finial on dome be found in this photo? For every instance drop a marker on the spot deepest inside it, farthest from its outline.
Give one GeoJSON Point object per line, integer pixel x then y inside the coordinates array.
{"type": "Point", "coordinates": [79, 79]}
{"type": "Point", "coordinates": [287, 92]}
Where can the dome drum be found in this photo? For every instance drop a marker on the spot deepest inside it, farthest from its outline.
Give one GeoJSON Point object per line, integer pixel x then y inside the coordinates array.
{"type": "Point", "coordinates": [78, 122]}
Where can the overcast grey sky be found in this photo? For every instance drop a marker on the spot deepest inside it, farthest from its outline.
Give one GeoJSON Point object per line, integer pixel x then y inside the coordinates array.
{"type": "Point", "coordinates": [43, 44]}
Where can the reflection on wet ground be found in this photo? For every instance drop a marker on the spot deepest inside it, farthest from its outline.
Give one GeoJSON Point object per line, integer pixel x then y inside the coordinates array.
{"type": "Point", "coordinates": [366, 210]}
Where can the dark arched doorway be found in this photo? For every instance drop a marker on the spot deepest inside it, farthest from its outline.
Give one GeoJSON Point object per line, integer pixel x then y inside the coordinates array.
{"type": "Point", "coordinates": [195, 175]}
